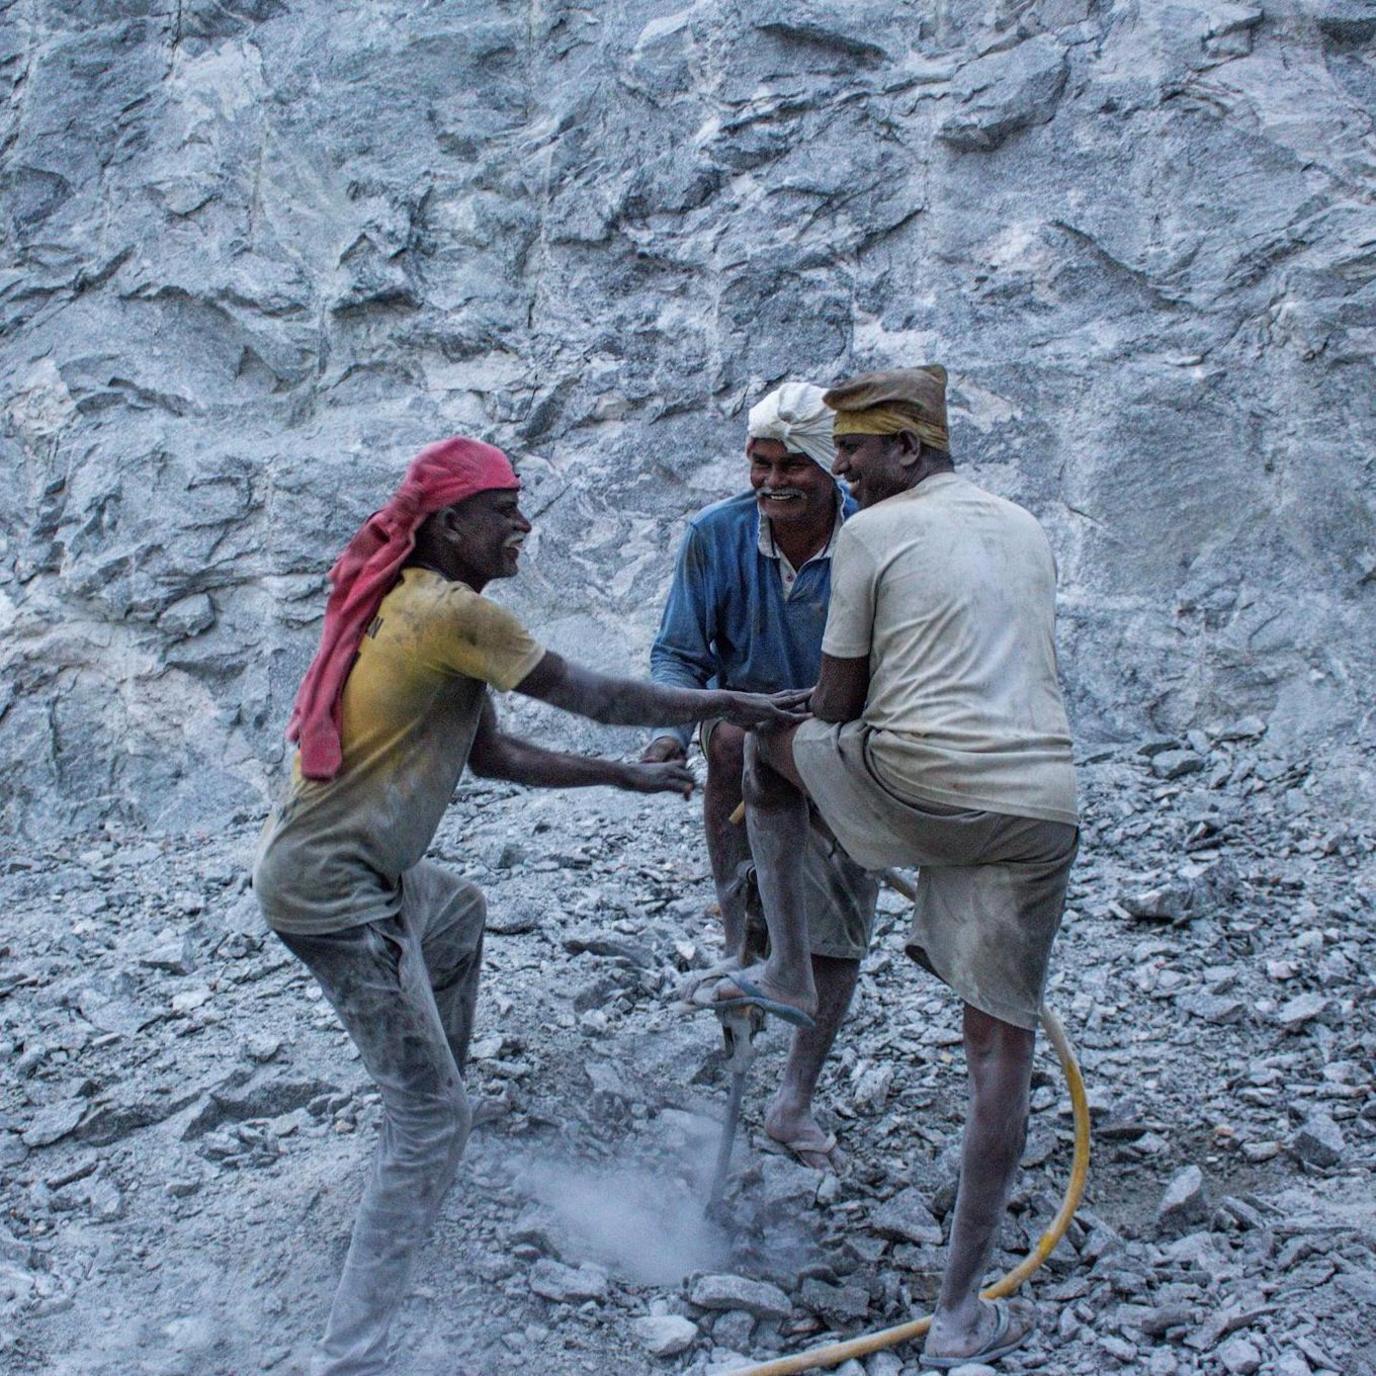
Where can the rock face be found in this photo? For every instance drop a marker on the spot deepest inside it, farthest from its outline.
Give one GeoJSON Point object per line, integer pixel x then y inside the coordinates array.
{"type": "Point", "coordinates": [257, 252]}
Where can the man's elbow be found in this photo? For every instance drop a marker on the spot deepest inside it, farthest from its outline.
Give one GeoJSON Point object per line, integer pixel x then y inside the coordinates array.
{"type": "Point", "coordinates": [834, 711]}
{"type": "Point", "coordinates": [671, 670]}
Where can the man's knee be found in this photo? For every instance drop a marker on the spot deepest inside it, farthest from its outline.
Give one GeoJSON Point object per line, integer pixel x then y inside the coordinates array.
{"type": "Point", "coordinates": [726, 750]}
{"type": "Point", "coordinates": [455, 937]}
{"type": "Point", "coordinates": [436, 1122]}
{"type": "Point", "coordinates": [761, 783]}
{"type": "Point", "coordinates": [993, 1044]}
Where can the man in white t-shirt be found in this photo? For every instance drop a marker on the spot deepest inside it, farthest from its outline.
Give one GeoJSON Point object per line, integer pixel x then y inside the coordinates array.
{"type": "Point", "coordinates": [939, 740]}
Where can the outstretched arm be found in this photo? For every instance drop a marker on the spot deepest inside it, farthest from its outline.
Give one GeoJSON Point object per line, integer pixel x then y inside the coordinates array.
{"type": "Point", "coordinates": [498, 756]}
{"type": "Point", "coordinates": [633, 702]}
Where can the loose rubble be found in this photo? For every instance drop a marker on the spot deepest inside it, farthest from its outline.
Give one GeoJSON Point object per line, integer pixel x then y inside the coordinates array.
{"type": "Point", "coordinates": [185, 1129]}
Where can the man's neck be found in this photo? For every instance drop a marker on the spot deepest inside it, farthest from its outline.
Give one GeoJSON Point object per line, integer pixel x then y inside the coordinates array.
{"type": "Point", "coordinates": [922, 473]}
{"type": "Point", "coordinates": [449, 575]}
{"type": "Point", "coordinates": [800, 542]}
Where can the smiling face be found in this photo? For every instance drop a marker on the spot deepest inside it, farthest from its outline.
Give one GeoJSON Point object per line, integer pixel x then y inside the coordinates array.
{"type": "Point", "coordinates": [480, 538]}
{"type": "Point", "coordinates": [789, 488]}
{"type": "Point", "coordinates": [876, 466]}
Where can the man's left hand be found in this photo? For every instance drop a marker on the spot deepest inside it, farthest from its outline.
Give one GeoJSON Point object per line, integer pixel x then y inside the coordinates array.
{"type": "Point", "coordinates": [658, 778]}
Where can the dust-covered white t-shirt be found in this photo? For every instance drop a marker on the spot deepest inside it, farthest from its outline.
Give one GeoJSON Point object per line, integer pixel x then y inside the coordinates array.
{"type": "Point", "coordinates": [951, 593]}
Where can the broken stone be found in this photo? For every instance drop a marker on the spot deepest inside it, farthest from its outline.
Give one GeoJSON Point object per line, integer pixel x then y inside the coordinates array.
{"type": "Point", "coordinates": [513, 921]}
{"type": "Point", "coordinates": [1185, 1201]}
{"type": "Point", "coordinates": [114, 1015]}
{"type": "Point", "coordinates": [1229, 1320]}
{"type": "Point", "coordinates": [665, 1335]}
{"type": "Point", "coordinates": [175, 957]}
{"type": "Point", "coordinates": [1292, 1363]}
{"type": "Point", "coordinates": [189, 1000]}
{"type": "Point", "coordinates": [262, 1047]}
{"type": "Point", "coordinates": [756, 1297]}
{"type": "Point", "coordinates": [840, 1305]}
{"type": "Point", "coordinates": [786, 1186]}
{"type": "Point", "coordinates": [607, 1080]}
{"type": "Point", "coordinates": [1239, 1357]}
{"type": "Point", "coordinates": [1219, 1009]}
{"type": "Point", "coordinates": [871, 1091]}
{"type": "Point", "coordinates": [1118, 1348]}
{"type": "Point", "coordinates": [602, 944]}
{"type": "Point", "coordinates": [1190, 896]}
{"type": "Point", "coordinates": [601, 991]}
{"type": "Point", "coordinates": [1159, 1321]}
{"type": "Point", "coordinates": [53, 1123]}
{"type": "Point", "coordinates": [1155, 745]}
{"type": "Point", "coordinates": [884, 1364]}
{"type": "Point", "coordinates": [733, 1329]}
{"type": "Point", "coordinates": [906, 1218]}
{"type": "Point", "coordinates": [1303, 1008]}
{"type": "Point", "coordinates": [552, 1280]}
{"type": "Point", "coordinates": [1319, 1142]}
{"type": "Point", "coordinates": [1175, 764]}
{"type": "Point", "coordinates": [260, 1098]}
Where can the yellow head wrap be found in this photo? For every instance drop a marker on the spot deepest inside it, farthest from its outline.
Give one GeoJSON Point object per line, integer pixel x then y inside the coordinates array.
{"type": "Point", "coordinates": [912, 399]}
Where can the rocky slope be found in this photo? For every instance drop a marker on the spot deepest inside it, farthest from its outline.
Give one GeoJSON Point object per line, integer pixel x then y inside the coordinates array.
{"type": "Point", "coordinates": [184, 1136]}
{"type": "Point", "coordinates": [257, 251]}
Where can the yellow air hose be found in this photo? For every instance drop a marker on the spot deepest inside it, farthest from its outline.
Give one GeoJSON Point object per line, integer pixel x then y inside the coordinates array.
{"type": "Point", "coordinates": [836, 1353]}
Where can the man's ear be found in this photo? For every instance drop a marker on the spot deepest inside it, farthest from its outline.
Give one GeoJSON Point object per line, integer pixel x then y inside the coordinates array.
{"type": "Point", "coordinates": [909, 449]}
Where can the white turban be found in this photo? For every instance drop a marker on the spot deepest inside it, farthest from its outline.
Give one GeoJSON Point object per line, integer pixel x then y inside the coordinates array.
{"type": "Point", "coordinates": [796, 414]}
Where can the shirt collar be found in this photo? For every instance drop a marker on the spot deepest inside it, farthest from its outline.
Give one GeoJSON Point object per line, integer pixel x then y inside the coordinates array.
{"type": "Point", "coordinates": [764, 531]}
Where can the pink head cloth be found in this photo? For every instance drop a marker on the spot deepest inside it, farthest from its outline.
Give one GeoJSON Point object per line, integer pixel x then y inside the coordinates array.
{"type": "Point", "coordinates": [440, 475]}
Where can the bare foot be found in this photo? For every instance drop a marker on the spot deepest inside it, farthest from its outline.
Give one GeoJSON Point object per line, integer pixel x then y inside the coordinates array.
{"type": "Point", "coordinates": [992, 1330]}
{"type": "Point", "coordinates": [690, 989]}
{"type": "Point", "coordinates": [794, 1127]}
{"type": "Point", "coordinates": [800, 1000]}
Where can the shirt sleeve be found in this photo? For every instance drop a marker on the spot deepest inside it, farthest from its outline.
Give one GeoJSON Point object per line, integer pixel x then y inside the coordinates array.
{"type": "Point", "coordinates": [484, 641]}
{"type": "Point", "coordinates": [850, 617]}
{"type": "Point", "coordinates": [682, 655]}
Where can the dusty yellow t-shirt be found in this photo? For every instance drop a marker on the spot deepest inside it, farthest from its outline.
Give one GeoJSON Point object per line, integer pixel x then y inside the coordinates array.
{"type": "Point", "coordinates": [951, 592]}
{"type": "Point", "coordinates": [333, 852]}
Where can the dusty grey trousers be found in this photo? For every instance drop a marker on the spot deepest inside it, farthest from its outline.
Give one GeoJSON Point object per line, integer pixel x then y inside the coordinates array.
{"type": "Point", "coordinates": [405, 989]}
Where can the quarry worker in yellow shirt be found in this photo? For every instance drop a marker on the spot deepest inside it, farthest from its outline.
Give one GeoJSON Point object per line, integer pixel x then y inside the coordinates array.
{"type": "Point", "coordinates": [393, 707]}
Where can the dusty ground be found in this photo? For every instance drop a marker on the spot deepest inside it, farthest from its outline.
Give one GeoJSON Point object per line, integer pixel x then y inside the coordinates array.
{"type": "Point", "coordinates": [184, 1130]}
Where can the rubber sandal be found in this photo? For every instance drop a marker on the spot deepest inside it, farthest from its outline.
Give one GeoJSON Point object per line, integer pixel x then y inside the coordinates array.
{"type": "Point", "coordinates": [812, 1147]}
{"type": "Point", "coordinates": [997, 1345]}
{"type": "Point", "coordinates": [753, 997]}
{"type": "Point", "coordinates": [687, 992]}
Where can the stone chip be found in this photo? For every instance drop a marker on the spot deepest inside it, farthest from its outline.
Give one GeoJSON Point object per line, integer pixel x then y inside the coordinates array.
{"type": "Point", "coordinates": [726, 1291]}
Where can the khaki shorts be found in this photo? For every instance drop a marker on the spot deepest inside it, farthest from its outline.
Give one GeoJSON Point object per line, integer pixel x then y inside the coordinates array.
{"type": "Point", "coordinates": [839, 896]}
{"type": "Point", "coordinates": [991, 888]}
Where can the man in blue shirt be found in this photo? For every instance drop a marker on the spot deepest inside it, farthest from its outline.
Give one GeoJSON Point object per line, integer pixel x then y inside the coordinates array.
{"type": "Point", "coordinates": [746, 610]}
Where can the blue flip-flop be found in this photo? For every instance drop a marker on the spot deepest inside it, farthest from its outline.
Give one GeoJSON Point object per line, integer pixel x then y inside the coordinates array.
{"type": "Point", "coordinates": [754, 997]}
{"type": "Point", "coordinates": [997, 1345]}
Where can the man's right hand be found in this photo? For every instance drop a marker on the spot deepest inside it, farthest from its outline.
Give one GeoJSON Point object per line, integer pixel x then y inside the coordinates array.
{"type": "Point", "coordinates": [766, 711]}
{"type": "Point", "coordinates": [663, 749]}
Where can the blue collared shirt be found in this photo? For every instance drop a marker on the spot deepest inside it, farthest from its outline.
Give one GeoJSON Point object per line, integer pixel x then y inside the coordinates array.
{"type": "Point", "coordinates": [728, 621]}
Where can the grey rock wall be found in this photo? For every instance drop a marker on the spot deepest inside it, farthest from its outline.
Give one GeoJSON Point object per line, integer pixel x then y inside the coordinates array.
{"type": "Point", "coordinates": [256, 252]}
